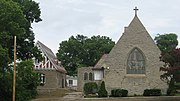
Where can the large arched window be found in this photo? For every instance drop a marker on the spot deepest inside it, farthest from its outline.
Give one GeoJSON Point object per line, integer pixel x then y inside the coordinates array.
{"type": "Point", "coordinates": [91, 76]}
{"type": "Point", "coordinates": [136, 62]}
{"type": "Point", "coordinates": [85, 76]}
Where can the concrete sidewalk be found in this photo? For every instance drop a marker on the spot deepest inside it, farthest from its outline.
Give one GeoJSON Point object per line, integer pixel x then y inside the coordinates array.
{"type": "Point", "coordinates": [152, 98]}
{"type": "Point", "coordinates": [73, 96]}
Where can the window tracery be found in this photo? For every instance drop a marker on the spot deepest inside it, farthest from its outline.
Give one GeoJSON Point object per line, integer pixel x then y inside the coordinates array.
{"type": "Point", "coordinates": [136, 62]}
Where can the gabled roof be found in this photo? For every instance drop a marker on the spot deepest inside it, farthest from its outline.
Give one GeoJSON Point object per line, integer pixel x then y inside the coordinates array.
{"type": "Point", "coordinates": [53, 59]}
{"type": "Point", "coordinates": [136, 25]}
{"type": "Point", "coordinates": [134, 36]}
{"type": "Point", "coordinates": [100, 63]}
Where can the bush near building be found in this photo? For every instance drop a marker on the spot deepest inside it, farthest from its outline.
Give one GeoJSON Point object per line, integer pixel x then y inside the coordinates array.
{"type": "Point", "coordinates": [102, 91]}
{"type": "Point", "coordinates": [119, 93]}
{"type": "Point", "coordinates": [90, 88]}
{"type": "Point", "coordinates": [152, 92]}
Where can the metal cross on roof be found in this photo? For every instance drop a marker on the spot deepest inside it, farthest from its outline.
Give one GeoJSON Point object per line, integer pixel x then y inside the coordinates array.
{"type": "Point", "coordinates": [135, 9]}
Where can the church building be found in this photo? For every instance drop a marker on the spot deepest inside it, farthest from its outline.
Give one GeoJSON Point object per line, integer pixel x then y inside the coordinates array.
{"type": "Point", "coordinates": [52, 73]}
{"type": "Point", "coordinates": [132, 64]}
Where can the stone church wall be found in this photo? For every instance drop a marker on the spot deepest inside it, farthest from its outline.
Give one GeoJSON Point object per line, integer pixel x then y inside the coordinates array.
{"type": "Point", "coordinates": [119, 68]}
{"type": "Point", "coordinates": [135, 36]}
{"type": "Point", "coordinates": [81, 80]}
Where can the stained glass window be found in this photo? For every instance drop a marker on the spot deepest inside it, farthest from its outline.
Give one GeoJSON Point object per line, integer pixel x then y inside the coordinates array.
{"type": "Point", "coordinates": [136, 62]}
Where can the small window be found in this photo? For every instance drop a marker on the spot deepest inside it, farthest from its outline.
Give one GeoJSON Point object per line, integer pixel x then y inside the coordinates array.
{"type": "Point", "coordinates": [42, 79]}
{"type": "Point", "coordinates": [85, 76]}
{"type": "Point", "coordinates": [36, 61]}
{"type": "Point", "coordinates": [91, 76]}
{"type": "Point", "coordinates": [70, 82]}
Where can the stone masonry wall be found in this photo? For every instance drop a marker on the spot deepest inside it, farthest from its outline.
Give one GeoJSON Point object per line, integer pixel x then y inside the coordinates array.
{"type": "Point", "coordinates": [81, 80]}
{"type": "Point", "coordinates": [53, 80]}
{"type": "Point", "coordinates": [135, 36]}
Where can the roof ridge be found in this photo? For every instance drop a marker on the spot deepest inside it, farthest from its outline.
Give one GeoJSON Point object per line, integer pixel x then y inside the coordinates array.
{"type": "Point", "coordinates": [52, 58]}
{"type": "Point", "coordinates": [44, 46]}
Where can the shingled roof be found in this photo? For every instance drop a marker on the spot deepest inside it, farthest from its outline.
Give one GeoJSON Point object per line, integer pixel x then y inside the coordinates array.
{"type": "Point", "coordinates": [100, 63]}
{"type": "Point", "coordinates": [53, 59]}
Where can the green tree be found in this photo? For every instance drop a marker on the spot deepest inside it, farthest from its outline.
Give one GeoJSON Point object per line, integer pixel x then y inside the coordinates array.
{"type": "Point", "coordinates": [81, 51]}
{"type": "Point", "coordinates": [16, 17]}
{"type": "Point", "coordinates": [30, 9]}
{"type": "Point", "coordinates": [4, 57]}
{"type": "Point", "coordinates": [31, 12]}
{"type": "Point", "coordinates": [172, 69]}
{"type": "Point", "coordinates": [5, 75]}
{"type": "Point", "coordinates": [11, 21]}
{"type": "Point", "coordinates": [166, 42]}
{"type": "Point", "coordinates": [27, 81]}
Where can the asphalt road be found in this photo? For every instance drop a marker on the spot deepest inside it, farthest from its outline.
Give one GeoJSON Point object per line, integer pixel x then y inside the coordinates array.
{"type": "Point", "coordinates": [77, 96]}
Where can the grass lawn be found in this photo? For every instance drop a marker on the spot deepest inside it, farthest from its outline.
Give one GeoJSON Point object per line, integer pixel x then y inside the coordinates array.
{"type": "Point", "coordinates": [57, 93]}
{"type": "Point", "coordinates": [177, 94]}
{"type": "Point", "coordinates": [91, 96]}
{"type": "Point", "coordinates": [177, 88]}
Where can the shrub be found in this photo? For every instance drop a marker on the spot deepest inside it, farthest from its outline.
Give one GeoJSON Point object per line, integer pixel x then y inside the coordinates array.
{"type": "Point", "coordinates": [113, 93]}
{"type": "Point", "coordinates": [171, 92]}
{"type": "Point", "coordinates": [119, 93]}
{"type": "Point", "coordinates": [102, 91]}
{"type": "Point", "coordinates": [152, 92]}
{"type": "Point", "coordinates": [124, 93]}
{"type": "Point", "coordinates": [90, 88]}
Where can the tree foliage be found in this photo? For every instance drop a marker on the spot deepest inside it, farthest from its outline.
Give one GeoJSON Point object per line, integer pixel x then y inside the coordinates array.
{"type": "Point", "coordinates": [172, 68]}
{"type": "Point", "coordinates": [166, 42]}
{"type": "Point", "coordinates": [172, 65]}
{"type": "Point", "coordinates": [27, 81]}
{"type": "Point", "coordinates": [4, 57]}
{"type": "Point", "coordinates": [16, 17]}
{"type": "Point", "coordinates": [30, 9]}
{"type": "Point", "coordinates": [31, 12]}
{"type": "Point", "coordinates": [81, 51]}
{"type": "Point", "coordinates": [170, 55]}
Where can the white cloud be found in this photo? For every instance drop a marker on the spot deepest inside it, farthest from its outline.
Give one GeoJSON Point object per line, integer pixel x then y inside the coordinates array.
{"type": "Point", "coordinates": [64, 18]}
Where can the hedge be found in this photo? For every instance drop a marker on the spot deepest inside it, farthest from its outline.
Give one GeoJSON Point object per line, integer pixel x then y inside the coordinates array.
{"type": "Point", "coordinates": [119, 93]}
{"type": "Point", "coordinates": [90, 88]}
{"type": "Point", "coordinates": [152, 92]}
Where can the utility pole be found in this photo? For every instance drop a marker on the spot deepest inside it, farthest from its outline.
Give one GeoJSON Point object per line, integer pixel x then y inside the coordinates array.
{"type": "Point", "coordinates": [14, 76]}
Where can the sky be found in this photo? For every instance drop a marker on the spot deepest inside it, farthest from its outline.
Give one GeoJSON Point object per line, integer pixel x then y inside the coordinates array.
{"type": "Point", "coordinates": [64, 18]}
